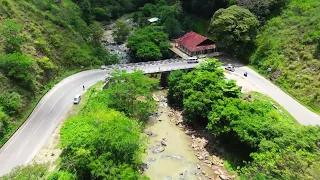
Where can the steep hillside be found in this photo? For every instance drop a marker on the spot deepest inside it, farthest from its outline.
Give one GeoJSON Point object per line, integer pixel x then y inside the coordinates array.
{"type": "Point", "coordinates": [289, 44]}
{"type": "Point", "coordinates": [40, 41]}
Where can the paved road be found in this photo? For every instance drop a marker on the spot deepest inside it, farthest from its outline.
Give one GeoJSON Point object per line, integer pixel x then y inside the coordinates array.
{"type": "Point", "coordinates": [29, 139]}
{"type": "Point", "coordinates": [32, 135]}
{"type": "Point", "coordinates": [303, 115]}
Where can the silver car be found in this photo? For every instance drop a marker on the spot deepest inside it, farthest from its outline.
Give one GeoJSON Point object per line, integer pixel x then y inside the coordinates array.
{"type": "Point", "coordinates": [229, 68]}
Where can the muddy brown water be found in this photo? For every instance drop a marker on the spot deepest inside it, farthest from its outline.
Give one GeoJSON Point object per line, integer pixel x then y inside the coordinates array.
{"type": "Point", "coordinates": [178, 160]}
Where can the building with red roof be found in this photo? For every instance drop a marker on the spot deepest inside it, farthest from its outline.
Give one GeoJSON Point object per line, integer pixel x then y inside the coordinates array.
{"type": "Point", "coordinates": [194, 44]}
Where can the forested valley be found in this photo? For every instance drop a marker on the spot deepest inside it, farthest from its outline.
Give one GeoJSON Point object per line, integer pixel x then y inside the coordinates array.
{"type": "Point", "coordinates": [43, 41]}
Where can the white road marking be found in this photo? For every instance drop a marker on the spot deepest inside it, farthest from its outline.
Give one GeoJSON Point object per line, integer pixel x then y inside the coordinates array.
{"type": "Point", "coordinates": [60, 113]}
{"type": "Point", "coordinates": [41, 106]}
{"type": "Point", "coordinates": [22, 149]}
{"type": "Point", "coordinates": [39, 125]}
{"type": "Point", "coordinates": [28, 120]}
{"type": "Point", "coordinates": [57, 101]}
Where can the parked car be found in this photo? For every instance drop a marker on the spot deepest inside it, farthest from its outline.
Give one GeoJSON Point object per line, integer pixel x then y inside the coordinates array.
{"type": "Point", "coordinates": [192, 60]}
{"type": "Point", "coordinates": [229, 68]}
{"type": "Point", "coordinates": [76, 99]}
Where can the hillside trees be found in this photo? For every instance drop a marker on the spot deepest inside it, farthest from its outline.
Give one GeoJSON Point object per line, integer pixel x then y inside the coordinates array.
{"type": "Point", "coordinates": [106, 10]}
{"type": "Point", "coordinates": [261, 8]}
{"type": "Point", "coordinates": [169, 17]}
{"type": "Point", "coordinates": [39, 42]}
{"type": "Point", "coordinates": [149, 43]}
{"type": "Point", "coordinates": [234, 29]}
{"type": "Point", "coordinates": [4, 118]}
{"type": "Point", "coordinates": [18, 67]}
{"type": "Point", "coordinates": [121, 32]}
{"type": "Point", "coordinates": [203, 8]}
{"type": "Point", "coordinates": [12, 34]}
{"type": "Point", "coordinates": [295, 53]}
{"type": "Point", "coordinates": [131, 94]}
{"type": "Point", "coordinates": [172, 28]}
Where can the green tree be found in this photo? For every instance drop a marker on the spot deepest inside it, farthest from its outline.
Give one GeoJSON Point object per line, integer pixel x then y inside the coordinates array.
{"type": "Point", "coordinates": [234, 29]}
{"type": "Point", "coordinates": [131, 94]}
{"type": "Point", "coordinates": [61, 175]}
{"type": "Point", "coordinates": [175, 93]}
{"type": "Point", "coordinates": [172, 28]}
{"type": "Point", "coordinates": [198, 90]}
{"type": "Point", "coordinates": [121, 32]}
{"type": "Point", "coordinates": [102, 144]}
{"type": "Point", "coordinates": [12, 33]}
{"type": "Point", "coordinates": [152, 36]}
{"type": "Point", "coordinates": [148, 51]}
{"type": "Point", "coordinates": [95, 33]}
{"type": "Point", "coordinates": [19, 67]}
{"type": "Point", "coordinates": [4, 118]}
{"type": "Point", "coordinates": [100, 14]}
{"type": "Point", "coordinates": [11, 102]}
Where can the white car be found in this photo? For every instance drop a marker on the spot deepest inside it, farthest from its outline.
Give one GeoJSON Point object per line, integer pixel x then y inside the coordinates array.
{"type": "Point", "coordinates": [192, 60]}
{"type": "Point", "coordinates": [76, 99]}
{"type": "Point", "coordinates": [229, 68]}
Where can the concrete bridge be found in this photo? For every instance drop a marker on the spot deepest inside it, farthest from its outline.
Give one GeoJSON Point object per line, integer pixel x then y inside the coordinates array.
{"type": "Point", "coordinates": [153, 67]}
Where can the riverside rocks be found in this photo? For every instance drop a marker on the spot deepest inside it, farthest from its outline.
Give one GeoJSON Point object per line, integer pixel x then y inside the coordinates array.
{"type": "Point", "coordinates": [150, 133]}
{"type": "Point", "coordinates": [223, 177]}
{"type": "Point", "coordinates": [163, 143]}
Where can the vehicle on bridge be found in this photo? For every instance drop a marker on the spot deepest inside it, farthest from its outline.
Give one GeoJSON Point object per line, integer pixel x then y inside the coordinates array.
{"type": "Point", "coordinates": [192, 60]}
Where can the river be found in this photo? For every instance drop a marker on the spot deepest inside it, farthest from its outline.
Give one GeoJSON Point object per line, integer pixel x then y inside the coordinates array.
{"type": "Point", "coordinates": [172, 153]}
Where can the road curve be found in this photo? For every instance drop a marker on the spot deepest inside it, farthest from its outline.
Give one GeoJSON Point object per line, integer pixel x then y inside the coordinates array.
{"type": "Point", "coordinates": [54, 106]}
{"type": "Point", "coordinates": [23, 146]}
{"type": "Point", "coordinates": [303, 115]}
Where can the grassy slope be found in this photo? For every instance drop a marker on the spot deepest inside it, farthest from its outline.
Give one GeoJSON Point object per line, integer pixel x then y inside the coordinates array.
{"type": "Point", "coordinates": [290, 43]}
{"type": "Point", "coordinates": [50, 30]}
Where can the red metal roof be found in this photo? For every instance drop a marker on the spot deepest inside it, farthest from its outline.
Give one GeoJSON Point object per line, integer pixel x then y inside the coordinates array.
{"type": "Point", "coordinates": [191, 41]}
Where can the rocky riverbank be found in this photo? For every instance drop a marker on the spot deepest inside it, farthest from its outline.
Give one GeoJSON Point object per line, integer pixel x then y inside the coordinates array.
{"type": "Point", "coordinates": [120, 50]}
{"type": "Point", "coordinates": [176, 151]}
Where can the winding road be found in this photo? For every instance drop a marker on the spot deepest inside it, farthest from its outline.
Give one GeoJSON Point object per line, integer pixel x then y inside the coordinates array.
{"type": "Point", "coordinates": [55, 105]}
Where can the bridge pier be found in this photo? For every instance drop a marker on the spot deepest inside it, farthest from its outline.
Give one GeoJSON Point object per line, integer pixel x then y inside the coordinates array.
{"type": "Point", "coordinates": [164, 79]}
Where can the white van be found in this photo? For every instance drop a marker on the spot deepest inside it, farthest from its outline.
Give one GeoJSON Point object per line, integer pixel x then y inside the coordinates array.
{"type": "Point", "coordinates": [76, 99]}
{"type": "Point", "coordinates": [192, 60]}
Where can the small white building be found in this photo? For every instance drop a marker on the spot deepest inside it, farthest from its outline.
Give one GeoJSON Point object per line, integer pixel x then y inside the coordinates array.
{"type": "Point", "coordinates": [154, 19]}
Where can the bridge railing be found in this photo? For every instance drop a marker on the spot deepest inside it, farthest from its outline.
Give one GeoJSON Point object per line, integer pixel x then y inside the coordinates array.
{"type": "Point", "coordinates": [167, 61]}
